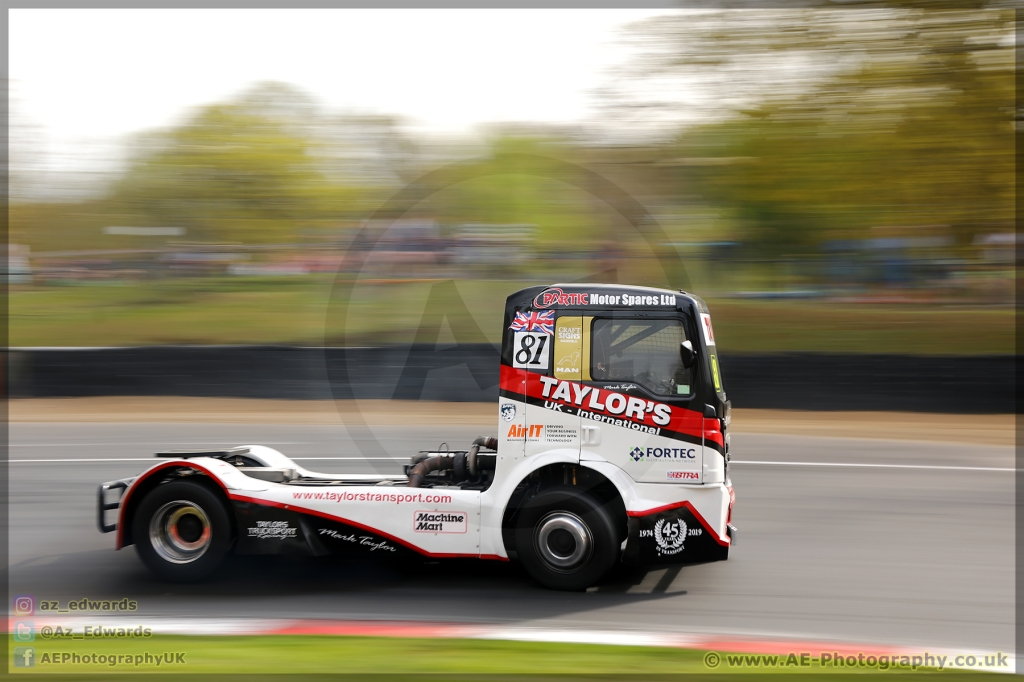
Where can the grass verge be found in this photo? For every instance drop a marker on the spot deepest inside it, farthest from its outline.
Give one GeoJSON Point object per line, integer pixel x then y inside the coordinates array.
{"type": "Point", "coordinates": [401, 657]}
{"type": "Point", "coordinates": [296, 311]}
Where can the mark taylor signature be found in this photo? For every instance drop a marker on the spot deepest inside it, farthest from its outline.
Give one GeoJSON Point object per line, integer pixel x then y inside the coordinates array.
{"type": "Point", "coordinates": [364, 540]}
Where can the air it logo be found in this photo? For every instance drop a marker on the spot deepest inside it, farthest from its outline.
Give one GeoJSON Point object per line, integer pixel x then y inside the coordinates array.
{"type": "Point", "coordinates": [637, 454]}
{"type": "Point", "coordinates": [518, 431]}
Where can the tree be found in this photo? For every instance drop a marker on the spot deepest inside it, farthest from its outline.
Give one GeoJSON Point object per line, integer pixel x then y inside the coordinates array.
{"type": "Point", "coordinates": [839, 120]}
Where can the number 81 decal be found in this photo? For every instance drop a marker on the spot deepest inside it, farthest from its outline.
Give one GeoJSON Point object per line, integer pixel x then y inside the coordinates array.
{"type": "Point", "coordinates": [530, 350]}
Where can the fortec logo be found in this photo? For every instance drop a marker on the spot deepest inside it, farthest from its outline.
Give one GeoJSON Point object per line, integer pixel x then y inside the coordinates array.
{"type": "Point", "coordinates": [663, 453]}
{"type": "Point", "coordinates": [556, 296]}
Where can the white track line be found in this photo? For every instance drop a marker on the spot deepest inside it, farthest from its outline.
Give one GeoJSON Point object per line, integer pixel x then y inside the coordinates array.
{"type": "Point", "coordinates": [395, 459]}
{"type": "Point", "coordinates": [876, 466]}
{"type": "Point", "coordinates": [203, 443]}
{"type": "Point", "coordinates": [155, 459]}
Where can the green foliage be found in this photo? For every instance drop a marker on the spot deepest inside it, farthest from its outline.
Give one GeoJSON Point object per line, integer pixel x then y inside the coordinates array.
{"type": "Point", "coordinates": [228, 175]}
{"type": "Point", "coordinates": [523, 180]}
{"type": "Point", "coordinates": [899, 118]}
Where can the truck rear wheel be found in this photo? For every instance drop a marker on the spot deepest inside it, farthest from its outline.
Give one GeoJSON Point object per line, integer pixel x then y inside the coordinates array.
{"type": "Point", "coordinates": [566, 538]}
{"type": "Point", "coordinates": [182, 531]}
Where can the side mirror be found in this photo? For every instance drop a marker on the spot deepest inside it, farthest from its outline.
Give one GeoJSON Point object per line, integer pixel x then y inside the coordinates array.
{"type": "Point", "coordinates": [687, 354]}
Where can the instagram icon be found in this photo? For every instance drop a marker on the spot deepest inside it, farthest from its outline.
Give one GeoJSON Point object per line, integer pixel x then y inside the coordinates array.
{"type": "Point", "coordinates": [24, 605]}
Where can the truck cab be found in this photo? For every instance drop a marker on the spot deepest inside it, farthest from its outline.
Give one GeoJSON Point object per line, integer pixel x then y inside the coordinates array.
{"type": "Point", "coordinates": [622, 385]}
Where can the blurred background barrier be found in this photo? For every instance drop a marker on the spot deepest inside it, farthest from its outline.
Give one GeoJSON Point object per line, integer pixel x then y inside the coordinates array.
{"type": "Point", "coordinates": [469, 373]}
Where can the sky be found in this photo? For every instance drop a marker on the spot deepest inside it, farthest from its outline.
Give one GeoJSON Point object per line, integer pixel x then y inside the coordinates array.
{"type": "Point", "coordinates": [83, 79]}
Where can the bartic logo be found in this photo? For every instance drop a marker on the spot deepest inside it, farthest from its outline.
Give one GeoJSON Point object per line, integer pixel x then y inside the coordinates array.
{"type": "Point", "coordinates": [440, 522]}
{"type": "Point", "coordinates": [637, 454]}
{"type": "Point", "coordinates": [556, 296]}
{"type": "Point", "coordinates": [508, 411]}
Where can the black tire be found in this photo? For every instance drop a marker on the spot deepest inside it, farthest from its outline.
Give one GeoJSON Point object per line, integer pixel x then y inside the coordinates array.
{"type": "Point", "coordinates": [548, 535]}
{"type": "Point", "coordinates": [182, 531]}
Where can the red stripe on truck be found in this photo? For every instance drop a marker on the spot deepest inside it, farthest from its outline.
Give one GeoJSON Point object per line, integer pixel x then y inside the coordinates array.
{"type": "Point", "coordinates": [593, 398]}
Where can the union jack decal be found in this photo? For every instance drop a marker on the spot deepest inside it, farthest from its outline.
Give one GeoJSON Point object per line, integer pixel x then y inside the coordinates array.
{"type": "Point", "coordinates": [538, 321]}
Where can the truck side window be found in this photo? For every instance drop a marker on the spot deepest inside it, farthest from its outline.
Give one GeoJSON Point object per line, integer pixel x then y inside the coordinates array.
{"type": "Point", "coordinates": [643, 352]}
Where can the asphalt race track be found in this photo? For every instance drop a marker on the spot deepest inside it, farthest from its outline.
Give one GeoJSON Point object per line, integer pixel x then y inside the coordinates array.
{"type": "Point", "coordinates": [916, 548]}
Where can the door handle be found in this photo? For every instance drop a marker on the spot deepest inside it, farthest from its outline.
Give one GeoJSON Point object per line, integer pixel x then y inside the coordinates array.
{"type": "Point", "coordinates": [591, 435]}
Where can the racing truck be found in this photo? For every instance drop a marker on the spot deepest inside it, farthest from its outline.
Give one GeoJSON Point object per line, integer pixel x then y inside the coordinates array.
{"type": "Point", "coordinates": [612, 446]}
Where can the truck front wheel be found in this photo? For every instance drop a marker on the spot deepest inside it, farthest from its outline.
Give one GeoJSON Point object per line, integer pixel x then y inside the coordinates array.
{"type": "Point", "coordinates": [566, 538]}
{"type": "Point", "coordinates": [182, 531]}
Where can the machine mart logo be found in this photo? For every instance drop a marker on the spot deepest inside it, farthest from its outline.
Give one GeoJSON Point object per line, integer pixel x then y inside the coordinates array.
{"type": "Point", "coordinates": [440, 522]}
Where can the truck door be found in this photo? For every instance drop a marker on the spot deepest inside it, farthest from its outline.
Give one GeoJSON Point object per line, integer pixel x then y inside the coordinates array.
{"type": "Point", "coordinates": [642, 412]}
{"type": "Point", "coordinates": [546, 355]}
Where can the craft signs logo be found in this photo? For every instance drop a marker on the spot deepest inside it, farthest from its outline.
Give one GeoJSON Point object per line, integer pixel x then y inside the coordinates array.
{"type": "Point", "coordinates": [508, 411]}
{"type": "Point", "coordinates": [637, 454]}
{"type": "Point", "coordinates": [670, 535]}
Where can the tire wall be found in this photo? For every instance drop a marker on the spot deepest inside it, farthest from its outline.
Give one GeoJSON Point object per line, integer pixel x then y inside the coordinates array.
{"type": "Point", "coordinates": [469, 373]}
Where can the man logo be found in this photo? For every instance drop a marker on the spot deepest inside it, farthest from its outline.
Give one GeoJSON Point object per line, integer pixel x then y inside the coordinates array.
{"type": "Point", "coordinates": [637, 454]}
{"type": "Point", "coordinates": [508, 412]}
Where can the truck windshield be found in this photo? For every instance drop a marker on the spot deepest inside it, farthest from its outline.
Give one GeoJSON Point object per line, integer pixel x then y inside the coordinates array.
{"type": "Point", "coordinates": [643, 352]}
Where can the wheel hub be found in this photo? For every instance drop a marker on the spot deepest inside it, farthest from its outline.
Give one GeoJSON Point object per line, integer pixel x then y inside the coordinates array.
{"type": "Point", "coordinates": [564, 541]}
{"type": "Point", "coordinates": [180, 532]}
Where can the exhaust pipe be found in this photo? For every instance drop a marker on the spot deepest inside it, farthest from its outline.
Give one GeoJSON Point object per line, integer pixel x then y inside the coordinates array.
{"type": "Point", "coordinates": [426, 466]}
{"type": "Point", "coordinates": [459, 462]}
{"type": "Point", "coordinates": [489, 442]}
